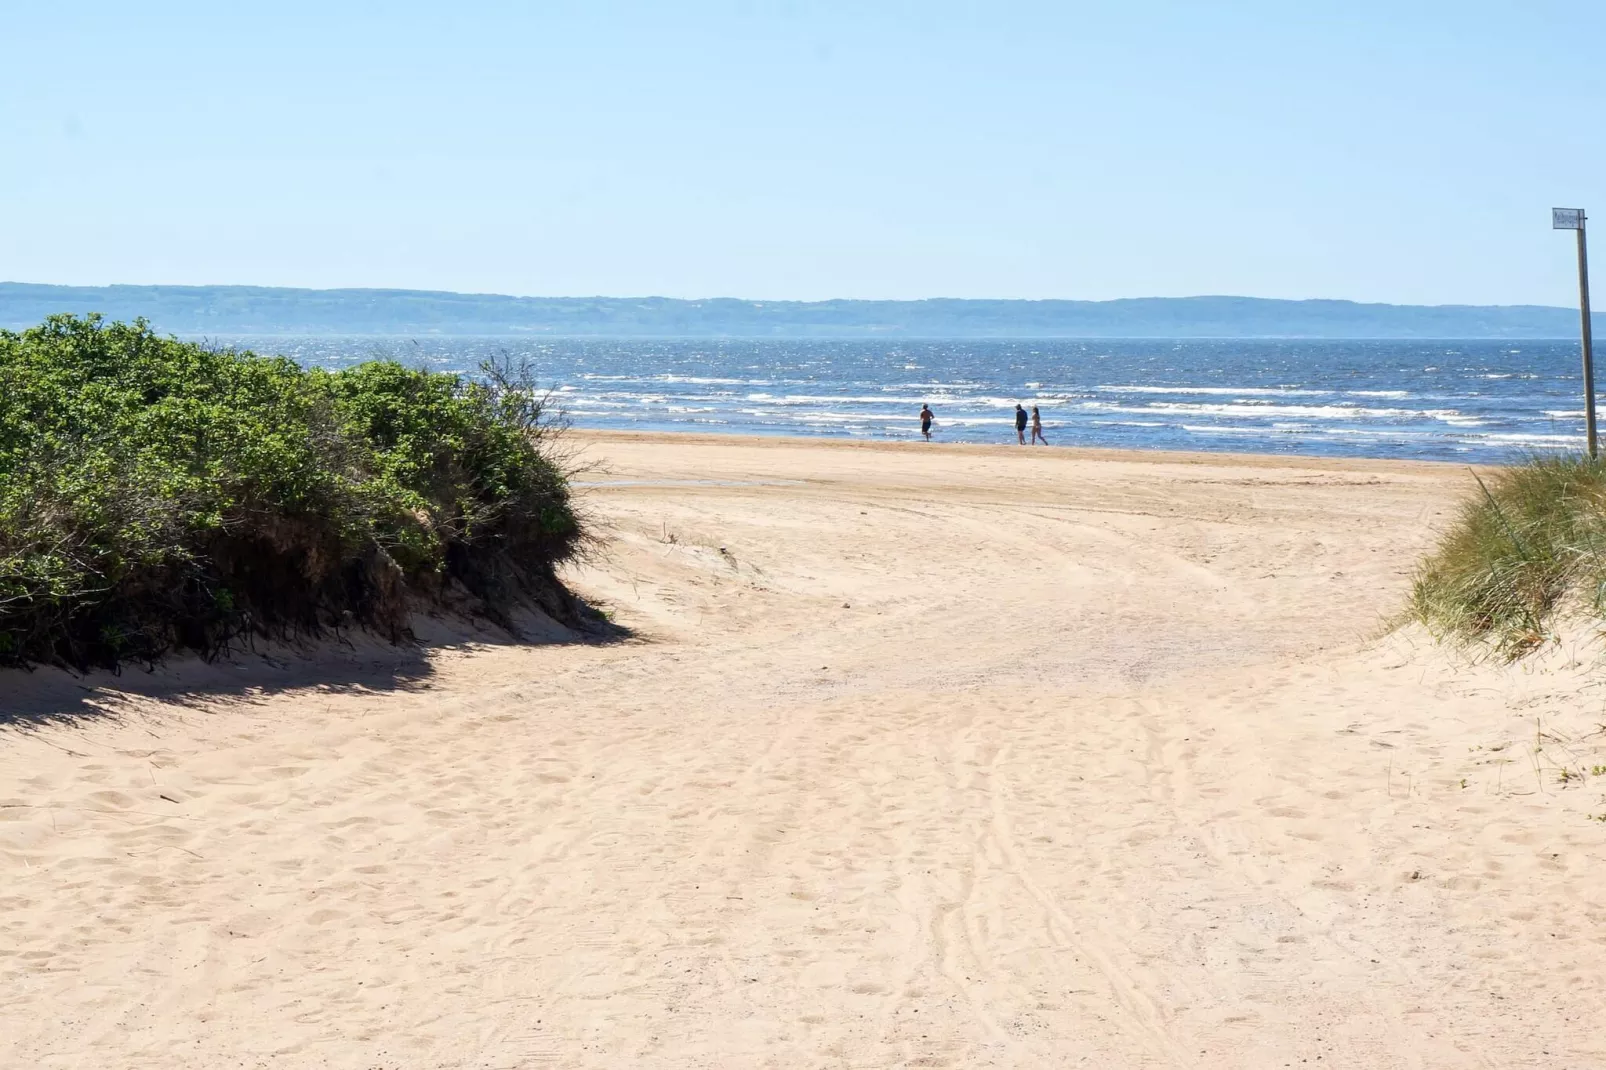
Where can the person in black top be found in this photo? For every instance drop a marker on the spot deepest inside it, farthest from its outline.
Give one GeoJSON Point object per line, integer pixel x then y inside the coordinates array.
{"type": "Point", "coordinates": [925, 421]}
{"type": "Point", "coordinates": [1020, 423]}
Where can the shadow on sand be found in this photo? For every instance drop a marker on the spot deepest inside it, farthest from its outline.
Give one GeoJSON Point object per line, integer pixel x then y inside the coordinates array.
{"type": "Point", "coordinates": [345, 663]}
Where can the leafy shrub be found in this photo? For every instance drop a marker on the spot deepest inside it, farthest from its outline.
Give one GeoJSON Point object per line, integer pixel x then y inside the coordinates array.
{"type": "Point", "coordinates": [159, 495]}
{"type": "Point", "coordinates": [1531, 541]}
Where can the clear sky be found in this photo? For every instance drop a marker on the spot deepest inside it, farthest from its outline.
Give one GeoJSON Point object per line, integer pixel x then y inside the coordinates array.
{"type": "Point", "coordinates": [1407, 150]}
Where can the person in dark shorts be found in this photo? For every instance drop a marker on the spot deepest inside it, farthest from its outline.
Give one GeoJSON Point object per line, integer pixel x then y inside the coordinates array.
{"type": "Point", "coordinates": [1037, 427]}
{"type": "Point", "coordinates": [925, 421]}
{"type": "Point", "coordinates": [1020, 423]}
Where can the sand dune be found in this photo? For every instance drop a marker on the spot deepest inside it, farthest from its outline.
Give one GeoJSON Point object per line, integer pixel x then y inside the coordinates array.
{"type": "Point", "coordinates": [920, 757]}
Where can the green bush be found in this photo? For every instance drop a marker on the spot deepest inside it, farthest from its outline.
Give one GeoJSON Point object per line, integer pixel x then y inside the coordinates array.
{"type": "Point", "coordinates": [1530, 542]}
{"type": "Point", "coordinates": [159, 495]}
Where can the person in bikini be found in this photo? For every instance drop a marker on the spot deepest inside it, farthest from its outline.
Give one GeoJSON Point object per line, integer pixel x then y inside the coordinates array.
{"type": "Point", "coordinates": [1037, 428]}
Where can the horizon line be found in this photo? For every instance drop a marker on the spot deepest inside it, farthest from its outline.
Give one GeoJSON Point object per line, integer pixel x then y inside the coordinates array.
{"type": "Point", "coordinates": [759, 301]}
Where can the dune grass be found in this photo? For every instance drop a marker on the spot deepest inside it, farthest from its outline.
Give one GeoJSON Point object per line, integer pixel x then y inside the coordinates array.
{"type": "Point", "coordinates": [159, 495]}
{"type": "Point", "coordinates": [1529, 544]}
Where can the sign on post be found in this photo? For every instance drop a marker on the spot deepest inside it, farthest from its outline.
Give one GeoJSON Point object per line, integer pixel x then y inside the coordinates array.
{"type": "Point", "coordinates": [1566, 219]}
{"type": "Point", "coordinates": [1573, 219]}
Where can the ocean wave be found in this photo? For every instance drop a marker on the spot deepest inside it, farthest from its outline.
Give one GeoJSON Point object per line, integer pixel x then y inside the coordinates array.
{"type": "Point", "coordinates": [1255, 391]}
{"type": "Point", "coordinates": [856, 417]}
{"type": "Point", "coordinates": [584, 404]}
{"type": "Point", "coordinates": [913, 401]}
{"type": "Point", "coordinates": [1379, 433]}
{"type": "Point", "coordinates": [1246, 391]}
{"type": "Point", "coordinates": [1224, 429]}
{"type": "Point", "coordinates": [1265, 410]}
{"type": "Point", "coordinates": [1517, 439]}
{"type": "Point", "coordinates": [702, 380]}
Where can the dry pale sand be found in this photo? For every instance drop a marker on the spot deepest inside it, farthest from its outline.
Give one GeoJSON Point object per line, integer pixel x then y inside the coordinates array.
{"type": "Point", "coordinates": [928, 757]}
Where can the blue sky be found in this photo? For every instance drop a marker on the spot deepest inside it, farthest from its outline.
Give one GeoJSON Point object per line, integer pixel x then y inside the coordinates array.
{"type": "Point", "coordinates": [1404, 151]}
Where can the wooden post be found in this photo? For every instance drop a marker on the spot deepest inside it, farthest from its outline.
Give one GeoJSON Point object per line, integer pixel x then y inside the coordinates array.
{"type": "Point", "coordinates": [1589, 354]}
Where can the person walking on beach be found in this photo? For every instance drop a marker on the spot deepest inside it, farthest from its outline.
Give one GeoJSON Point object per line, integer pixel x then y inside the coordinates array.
{"type": "Point", "coordinates": [1020, 423]}
{"type": "Point", "coordinates": [1037, 428]}
{"type": "Point", "coordinates": [925, 421]}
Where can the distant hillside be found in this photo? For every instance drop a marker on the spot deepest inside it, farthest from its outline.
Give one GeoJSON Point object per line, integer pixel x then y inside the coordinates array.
{"type": "Point", "coordinates": [220, 310]}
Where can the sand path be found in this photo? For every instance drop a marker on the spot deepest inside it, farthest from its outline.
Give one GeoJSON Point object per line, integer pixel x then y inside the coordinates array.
{"type": "Point", "coordinates": [924, 757]}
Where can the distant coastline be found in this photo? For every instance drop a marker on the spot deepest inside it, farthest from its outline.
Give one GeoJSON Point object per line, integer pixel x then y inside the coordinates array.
{"type": "Point", "coordinates": [263, 310]}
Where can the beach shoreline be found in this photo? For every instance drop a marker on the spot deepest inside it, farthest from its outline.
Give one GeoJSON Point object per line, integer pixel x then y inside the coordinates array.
{"type": "Point", "coordinates": [937, 755]}
{"type": "Point", "coordinates": [1228, 458]}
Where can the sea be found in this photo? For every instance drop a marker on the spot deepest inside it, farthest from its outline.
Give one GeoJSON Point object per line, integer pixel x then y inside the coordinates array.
{"type": "Point", "coordinates": [1471, 401]}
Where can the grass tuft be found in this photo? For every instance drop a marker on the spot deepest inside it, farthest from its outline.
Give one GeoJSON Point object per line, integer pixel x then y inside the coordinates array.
{"type": "Point", "coordinates": [1532, 540]}
{"type": "Point", "coordinates": [158, 495]}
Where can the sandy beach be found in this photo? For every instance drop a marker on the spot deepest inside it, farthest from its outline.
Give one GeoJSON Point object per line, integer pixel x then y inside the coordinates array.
{"type": "Point", "coordinates": [917, 756]}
